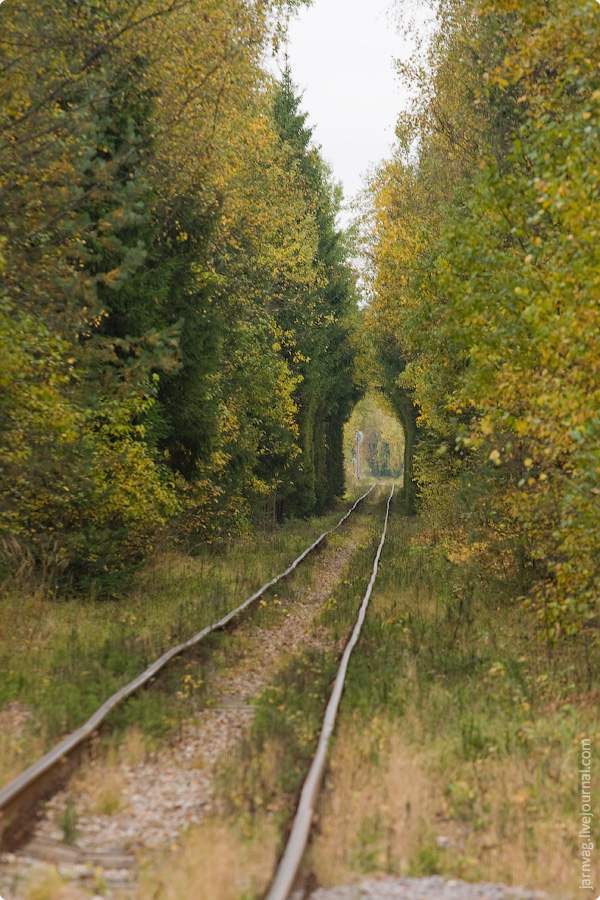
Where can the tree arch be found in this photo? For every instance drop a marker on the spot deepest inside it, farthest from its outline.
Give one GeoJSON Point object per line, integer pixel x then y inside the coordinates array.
{"type": "Point", "coordinates": [391, 365]}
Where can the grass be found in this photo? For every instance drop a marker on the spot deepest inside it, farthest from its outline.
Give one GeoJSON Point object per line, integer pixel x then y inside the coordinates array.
{"type": "Point", "coordinates": [67, 820]}
{"type": "Point", "coordinates": [457, 753]}
{"type": "Point", "coordinates": [258, 790]}
{"type": "Point", "coordinates": [460, 739]}
{"type": "Point", "coordinates": [219, 860]}
{"type": "Point", "coordinates": [274, 759]}
{"type": "Point", "coordinates": [61, 658]}
{"type": "Point", "coordinates": [46, 884]}
{"type": "Point", "coordinates": [102, 783]}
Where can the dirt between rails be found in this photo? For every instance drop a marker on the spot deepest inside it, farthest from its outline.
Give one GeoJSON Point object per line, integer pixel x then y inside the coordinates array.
{"type": "Point", "coordinates": [117, 815]}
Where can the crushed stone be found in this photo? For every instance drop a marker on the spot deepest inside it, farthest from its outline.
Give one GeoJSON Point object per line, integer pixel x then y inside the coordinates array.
{"type": "Point", "coordinates": [175, 788]}
{"type": "Point", "coordinates": [432, 888]}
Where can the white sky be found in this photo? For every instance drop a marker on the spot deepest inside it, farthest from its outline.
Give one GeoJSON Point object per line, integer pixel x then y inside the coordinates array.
{"type": "Point", "coordinates": [342, 56]}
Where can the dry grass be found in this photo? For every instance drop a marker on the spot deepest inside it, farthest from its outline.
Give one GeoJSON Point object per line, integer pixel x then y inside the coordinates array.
{"type": "Point", "coordinates": [474, 772]}
{"type": "Point", "coordinates": [375, 817]}
{"type": "Point", "coordinates": [102, 784]}
{"type": "Point", "coordinates": [45, 883]}
{"type": "Point", "coordinates": [527, 839]}
{"type": "Point", "coordinates": [390, 805]}
{"type": "Point", "coordinates": [135, 747]}
{"type": "Point", "coordinates": [213, 862]}
{"type": "Point", "coordinates": [105, 792]}
{"type": "Point", "coordinates": [405, 798]}
{"type": "Point", "coordinates": [19, 743]}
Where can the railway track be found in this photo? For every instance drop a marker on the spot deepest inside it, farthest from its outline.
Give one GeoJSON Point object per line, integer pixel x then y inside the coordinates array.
{"type": "Point", "coordinates": [20, 798]}
{"type": "Point", "coordinates": [290, 863]}
{"type": "Point", "coordinates": [289, 882]}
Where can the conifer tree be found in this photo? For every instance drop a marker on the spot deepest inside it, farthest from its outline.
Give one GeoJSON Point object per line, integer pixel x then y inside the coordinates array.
{"type": "Point", "coordinates": [320, 321]}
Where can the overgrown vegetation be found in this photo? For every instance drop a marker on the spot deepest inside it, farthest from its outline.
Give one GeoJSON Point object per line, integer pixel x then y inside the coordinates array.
{"type": "Point", "coordinates": [485, 294]}
{"type": "Point", "coordinates": [176, 307]}
{"type": "Point", "coordinates": [61, 660]}
{"type": "Point", "coordinates": [382, 451]}
{"type": "Point", "coordinates": [460, 738]}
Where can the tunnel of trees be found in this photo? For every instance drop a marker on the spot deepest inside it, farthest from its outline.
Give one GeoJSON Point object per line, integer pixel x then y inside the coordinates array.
{"type": "Point", "coordinates": [383, 447]}
{"type": "Point", "coordinates": [180, 330]}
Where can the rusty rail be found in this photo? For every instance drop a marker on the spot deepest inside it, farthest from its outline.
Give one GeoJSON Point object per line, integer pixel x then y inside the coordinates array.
{"type": "Point", "coordinates": [290, 862]}
{"type": "Point", "coordinates": [58, 756]}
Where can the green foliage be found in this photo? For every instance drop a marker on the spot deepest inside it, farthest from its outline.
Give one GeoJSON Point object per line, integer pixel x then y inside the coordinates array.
{"type": "Point", "coordinates": [56, 455]}
{"type": "Point", "coordinates": [154, 243]}
{"type": "Point", "coordinates": [382, 451]}
{"type": "Point", "coordinates": [316, 326]}
{"type": "Point", "coordinates": [426, 861]}
{"type": "Point", "coordinates": [486, 274]}
{"type": "Point", "coordinates": [67, 822]}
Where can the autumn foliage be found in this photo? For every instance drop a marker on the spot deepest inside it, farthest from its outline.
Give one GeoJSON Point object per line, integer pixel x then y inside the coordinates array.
{"type": "Point", "coordinates": [174, 294]}
{"type": "Point", "coordinates": [485, 269]}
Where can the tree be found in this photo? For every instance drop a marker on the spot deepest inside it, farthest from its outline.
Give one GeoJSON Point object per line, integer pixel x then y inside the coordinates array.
{"type": "Point", "coordinates": [131, 329]}
{"type": "Point", "coordinates": [316, 325]}
{"type": "Point", "coordinates": [485, 271]}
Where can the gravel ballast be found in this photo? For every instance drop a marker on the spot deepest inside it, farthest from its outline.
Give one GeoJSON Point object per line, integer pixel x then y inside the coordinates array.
{"type": "Point", "coordinates": [432, 888]}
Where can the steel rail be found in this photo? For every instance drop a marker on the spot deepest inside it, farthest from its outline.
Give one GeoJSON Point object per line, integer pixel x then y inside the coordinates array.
{"type": "Point", "coordinates": [296, 845]}
{"type": "Point", "coordinates": [26, 779]}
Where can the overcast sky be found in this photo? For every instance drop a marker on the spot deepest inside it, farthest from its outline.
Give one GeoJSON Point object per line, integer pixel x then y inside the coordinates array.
{"type": "Point", "coordinates": [342, 56]}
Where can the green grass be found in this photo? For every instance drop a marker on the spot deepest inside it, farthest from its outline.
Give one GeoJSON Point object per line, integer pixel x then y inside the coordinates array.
{"type": "Point", "coordinates": [457, 676]}
{"type": "Point", "coordinates": [60, 659]}
{"type": "Point", "coordinates": [270, 766]}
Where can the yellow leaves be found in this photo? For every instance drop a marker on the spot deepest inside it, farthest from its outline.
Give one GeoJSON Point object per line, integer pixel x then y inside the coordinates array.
{"type": "Point", "coordinates": [498, 670]}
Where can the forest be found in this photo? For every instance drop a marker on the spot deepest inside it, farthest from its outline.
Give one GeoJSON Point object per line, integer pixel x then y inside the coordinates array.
{"type": "Point", "coordinates": [177, 312]}
{"type": "Point", "coordinates": [481, 237]}
{"type": "Point", "coordinates": [192, 333]}
{"type": "Point", "coordinates": [179, 316]}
